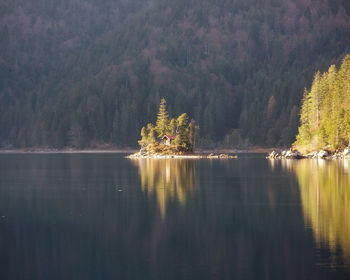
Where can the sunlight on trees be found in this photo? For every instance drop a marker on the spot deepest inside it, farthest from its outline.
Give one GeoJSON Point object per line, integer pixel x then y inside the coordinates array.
{"type": "Point", "coordinates": [176, 135]}
{"type": "Point", "coordinates": [325, 111]}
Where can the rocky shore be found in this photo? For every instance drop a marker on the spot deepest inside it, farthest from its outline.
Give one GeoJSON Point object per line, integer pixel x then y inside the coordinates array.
{"type": "Point", "coordinates": [140, 155]}
{"type": "Point", "coordinates": [322, 154]}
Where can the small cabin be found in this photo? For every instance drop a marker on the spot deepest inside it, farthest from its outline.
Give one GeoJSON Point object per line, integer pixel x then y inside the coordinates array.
{"type": "Point", "coordinates": [166, 139]}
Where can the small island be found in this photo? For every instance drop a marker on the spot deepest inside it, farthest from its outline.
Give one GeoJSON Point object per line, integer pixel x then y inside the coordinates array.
{"type": "Point", "coordinates": [171, 138]}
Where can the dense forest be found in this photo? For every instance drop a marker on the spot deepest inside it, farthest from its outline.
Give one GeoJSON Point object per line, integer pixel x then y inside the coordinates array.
{"type": "Point", "coordinates": [86, 72]}
{"type": "Point", "coordinates": [325, 112]}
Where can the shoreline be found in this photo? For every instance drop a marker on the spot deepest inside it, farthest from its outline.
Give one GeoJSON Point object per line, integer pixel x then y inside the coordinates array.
{"type": "Point", "coordinates": [186, 156]}
{"type": "Point", "coordinates": [53, 151]}
{"type": "Point", "coordinates": [321, 154]}
{"type": "Point", "coordinates": [199, 152]}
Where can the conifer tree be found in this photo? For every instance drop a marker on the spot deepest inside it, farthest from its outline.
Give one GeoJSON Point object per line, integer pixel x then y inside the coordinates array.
{"type": "Point", "coordinates": [346, 126]}
{"type": "Point", "coordinates": [162, 119]}
{"type": "Point", "coordinates": [144, 133]}
{"type": "Point", "coordinates": [304, 135]}
{"type": "Point", "coordinates": [172, 127]}
{"type": "Point", "coordinates": [182, 138]}
{"type": "Point", "coordinates": [144, 137]}
{"type": "Point", "coordinates": [151, 133]}
{"type": "Point", "coordinates": [192, 133]}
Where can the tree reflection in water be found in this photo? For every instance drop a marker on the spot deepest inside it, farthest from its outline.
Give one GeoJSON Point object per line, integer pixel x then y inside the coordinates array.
{"type": "Point", "coordinates": [169, 179]}
{"type": "Point", "coordinates": [325, 197]}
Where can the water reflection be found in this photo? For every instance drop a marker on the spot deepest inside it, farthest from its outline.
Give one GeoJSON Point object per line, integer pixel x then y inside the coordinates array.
{"type": "Point", "coordinates": [325, 196]}
{"type": "Point", "coordinates": [169, 179]}
{"type": "Point", "coordinates": [63, 217]}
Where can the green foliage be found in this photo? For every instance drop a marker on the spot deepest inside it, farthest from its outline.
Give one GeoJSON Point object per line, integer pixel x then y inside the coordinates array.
{"type": "Point", "coordinates": [144, 133]}
{"type": "Point", "coordinates": [180, 128]}
{"type": "Point", "coordinates": [162, 125]}
{"type": "Point", "coordinates": [172, 127]}
{"type": "Point", "coordinates": [325, 111]}
{"type": "Point", "coordinates": [147, 135]}
{"type": "Point", "coordinates": [182, 137]}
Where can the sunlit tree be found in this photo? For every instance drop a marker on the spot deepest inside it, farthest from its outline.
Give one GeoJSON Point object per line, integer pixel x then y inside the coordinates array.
{"type": "Point", "coordinates": [162, 119]}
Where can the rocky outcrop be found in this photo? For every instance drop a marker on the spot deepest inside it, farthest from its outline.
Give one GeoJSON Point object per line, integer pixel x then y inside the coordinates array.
{"type": "Point", "coordinates": [285, 155]}
{"type": "Point", "coordinates": [321, 154]}
{"type": "Point", "coordinates": [274, 155]}
{"type": "Point", "coordinates": [221, 156]}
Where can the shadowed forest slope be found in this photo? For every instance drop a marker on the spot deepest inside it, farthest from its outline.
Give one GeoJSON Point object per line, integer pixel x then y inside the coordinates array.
{"type": "Point", "coordinates": [80, 73]}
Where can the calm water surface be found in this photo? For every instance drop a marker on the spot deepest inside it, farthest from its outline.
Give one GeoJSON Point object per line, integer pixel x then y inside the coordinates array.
{"type": "Point", "coordinates": [101, 216]}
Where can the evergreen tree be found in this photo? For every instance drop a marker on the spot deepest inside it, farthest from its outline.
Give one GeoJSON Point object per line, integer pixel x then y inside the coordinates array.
{"type": "Point", "coordinates": [304, 135]}
{"type": "Point", "coordinates": [151, 138]}
{"type": "Point", "coordinates": [172, 127]}
{"type": "Point", "coordinates": [182, 136]}
{"type": "Point", "coordinates": [162, 119]}
{"type": "Point", "coordinates": [144, 137]}
{"type": "Point", "coordinates": [144, 133]}
{"type": "Point", "coordinates": [193, 130]}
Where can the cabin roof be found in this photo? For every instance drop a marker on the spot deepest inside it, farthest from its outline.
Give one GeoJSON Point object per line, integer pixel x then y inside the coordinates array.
{"type": "Point", "coordinates": [171, 137]}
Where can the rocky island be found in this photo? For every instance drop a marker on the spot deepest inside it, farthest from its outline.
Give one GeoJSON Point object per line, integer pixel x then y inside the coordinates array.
{"type": "Point", "coordinates": [171, 138]}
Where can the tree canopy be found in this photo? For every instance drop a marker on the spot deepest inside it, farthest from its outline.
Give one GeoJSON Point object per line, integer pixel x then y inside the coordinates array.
{"type": "Point", "coordinates": [180, 132]}
{"type": "Point", "coordinates": [325, 111]}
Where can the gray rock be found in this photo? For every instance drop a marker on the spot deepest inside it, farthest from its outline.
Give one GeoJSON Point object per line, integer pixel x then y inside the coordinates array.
{"type": "Point", "coordinates": [143, 152]}
{"type": "Point", "coordinates": [309, 155]}
{"type": "Point", "coordinates": [290, 154]}
{"type": "Point", "coordinates": [322, 154]}
{"type": "Point", "coordinates": [298, 154]}
{"type": "Point", "coordinates": [273, 155]}
{"type": "Point", "coordinates": [293, 155]}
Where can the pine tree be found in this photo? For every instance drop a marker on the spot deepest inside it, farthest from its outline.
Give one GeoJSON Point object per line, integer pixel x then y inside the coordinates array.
{"type": "Point", "coordinates": [328, 104]}
{"type": "Point", "coordinates": [144, 134]}
{"type": "Point", "coordinates": [192, 133]}
{"type": "Point", "coordinates": [182, 138]}
{"type": "Point", "coordinates": [304, 135]}
{"type": "Point", "coordinates": [151, 133]}
{"type": "Point", "coordinates": [316, 99]}
{"type": "Point", "coordinates": [172, 127]}
{"type": "Point", "coordinates": [162, 119]}
{"type": "Point", "coordinates": [346, 126]}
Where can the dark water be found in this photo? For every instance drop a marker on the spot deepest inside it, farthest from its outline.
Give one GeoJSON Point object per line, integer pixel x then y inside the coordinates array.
{"type": "Point", "coordinates": [100, 216]}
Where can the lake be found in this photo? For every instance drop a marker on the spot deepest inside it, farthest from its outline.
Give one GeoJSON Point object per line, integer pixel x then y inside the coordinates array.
{"type": "Point", "coordinates": [101, 216]}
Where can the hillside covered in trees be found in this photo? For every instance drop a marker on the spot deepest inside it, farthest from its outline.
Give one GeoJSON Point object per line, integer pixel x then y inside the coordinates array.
{"type": "Point", "coordinates": [325, 112]}
{"type": "Point", "coordinates": [85, 72]}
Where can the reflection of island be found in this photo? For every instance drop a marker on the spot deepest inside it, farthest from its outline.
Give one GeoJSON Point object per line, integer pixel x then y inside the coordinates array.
{"type": "Point", "coordinates": [168, 179]}
{"type": "Point", "coordinates": [325, 195]}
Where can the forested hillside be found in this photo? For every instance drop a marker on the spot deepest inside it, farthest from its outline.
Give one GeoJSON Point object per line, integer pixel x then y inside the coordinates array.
{"type": "Point", "coordinates": [38, 38]}
{"type": "Point", "coordinates": [85, 72]}
{"type": "Point", "coordinates": [325, 112]}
